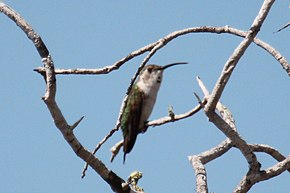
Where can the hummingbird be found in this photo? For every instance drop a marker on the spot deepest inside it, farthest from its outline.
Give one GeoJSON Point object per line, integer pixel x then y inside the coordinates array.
{"type": "Point", "coordinates": [140, 103]}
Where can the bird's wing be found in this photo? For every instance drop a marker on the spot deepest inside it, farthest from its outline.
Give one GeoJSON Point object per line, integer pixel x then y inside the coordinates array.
{"type": "Point", "coordinates": [131, 122]}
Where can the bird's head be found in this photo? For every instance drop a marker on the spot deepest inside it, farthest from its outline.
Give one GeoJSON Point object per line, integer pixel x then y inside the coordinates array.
{"type": "Point", "coordinates": [152, 74]}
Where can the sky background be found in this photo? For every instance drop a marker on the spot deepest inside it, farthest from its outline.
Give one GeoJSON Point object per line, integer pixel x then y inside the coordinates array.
{"type": "Point", "coordinates": [35, 158]}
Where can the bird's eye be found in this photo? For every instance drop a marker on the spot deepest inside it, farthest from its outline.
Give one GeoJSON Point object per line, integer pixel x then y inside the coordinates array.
{"type": "Point", "coordinates": [149, 70]}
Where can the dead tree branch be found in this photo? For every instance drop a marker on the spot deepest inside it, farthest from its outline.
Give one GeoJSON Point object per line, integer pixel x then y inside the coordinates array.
{"type": "Point", "coordinates": [203, 29]}
{"type": "Point", "coordinates": [109, 176]}
{"type": "Point", "coordinates": [235, 57]}
{"type": "Point", "coordinates": [178, 117]}
{"type": "Point", "coordinates": [251, 179]}
{"type": "Point", "coordinates": [269, 150]}
{"type": "Point", "coordinates": [198, 161]}
{"type": "Point", "coordinates": [222, 81]}
{"type": "Point", "coordinates": [200, 174]}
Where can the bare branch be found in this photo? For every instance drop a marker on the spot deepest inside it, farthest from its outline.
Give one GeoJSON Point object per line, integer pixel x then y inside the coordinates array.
{"type": "Point", "coordinates": [223, 110]}
{"type": "Point", "coordinates": [77, 123]}
{"type": "Point", "coordinates": [235, 57]}
{"type": "Point", "coordinates": [104, 70]}
{"type": "Point", "coordinates": [99, 145]}
{"type": "Point", "coordinates": [199, 100]}
{"type": "Point", "coordinates": [251, 179]}
{"type": "Point", "coordinates": [109, 176]}
{"type": "Point", "coordinates": [278, 56]}
{"type": "Point", "coordinates": [204, 29]}
{"type": "Point", "coordinates": [168, 119]}
{"type": "Point", "coordinates": [200, 174]}
{"type": "Point", "coordinates": [274, 170]}
{"type": "Point", "coordinates": [115, 149]}
{"type": "Point", "coordinates": [202, 87]}
{"type": "Point", "coordinates": [216, 151]}
{"type": "Point", "coordinates": [237, 141]}
{"type": "Point", "coordinates": [49, 99]}
{"type": "Point", "coordinates": [198, 161]}
{"type": "Point", "coordinates": [222, 81]}
{"type": "Point", "coordinates": [26, 28]}
{"type": "Point", "coordinates": [269, 150]}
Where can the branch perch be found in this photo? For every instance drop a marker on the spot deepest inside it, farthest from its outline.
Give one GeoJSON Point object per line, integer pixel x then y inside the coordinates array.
{"type": "Point", "coordinates": [115, 149]}
{"type": "Point", "coordinates": [178, 117]}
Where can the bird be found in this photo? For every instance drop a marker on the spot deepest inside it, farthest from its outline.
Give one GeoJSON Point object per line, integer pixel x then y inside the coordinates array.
{"type": "Point", "coordinates": [140, 103]}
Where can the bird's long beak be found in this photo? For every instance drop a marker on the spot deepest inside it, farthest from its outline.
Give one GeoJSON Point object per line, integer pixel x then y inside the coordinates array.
{"type": "Point", "coordinates": [172, 64]}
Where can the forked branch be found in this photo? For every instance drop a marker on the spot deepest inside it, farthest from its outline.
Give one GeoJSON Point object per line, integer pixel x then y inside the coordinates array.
{"type": "Point", "coordinates": [224, 78]}
{"type": "Point", "coordinates": [251, 178]}
{"type": "Point", "coordinates": [109, 176]}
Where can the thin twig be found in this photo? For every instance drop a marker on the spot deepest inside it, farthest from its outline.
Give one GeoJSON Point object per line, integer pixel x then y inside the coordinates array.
{"type": "Point", "coordinates": [97, 148]}
{"type": "Point", "coordinates": [204, 29]}
{"type": "Point", "coordinates": [77, 123]}
{"type": "Point", "coordinates": [178, 117]}
{"type": "Point", "coordinates": [115, 149]}
{"type": "Point", "coordinates": [222, 109]}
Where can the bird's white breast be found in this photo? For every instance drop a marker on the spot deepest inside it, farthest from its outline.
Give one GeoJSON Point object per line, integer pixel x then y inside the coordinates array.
{"type": "Point", "coordinates": [150, 94]}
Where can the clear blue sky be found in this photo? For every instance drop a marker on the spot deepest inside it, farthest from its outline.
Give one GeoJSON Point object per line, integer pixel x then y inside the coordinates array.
{"type": "Point", "coordinates": [91, 34]}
